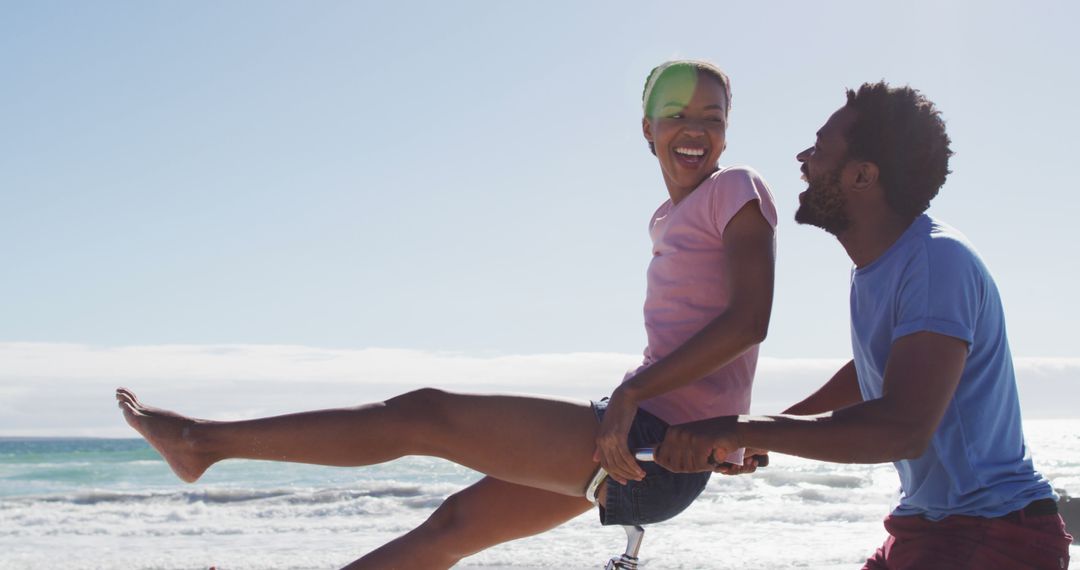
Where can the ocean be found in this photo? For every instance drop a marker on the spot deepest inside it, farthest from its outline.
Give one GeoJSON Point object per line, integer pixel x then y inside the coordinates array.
{"type": "Point", "coordinates": [84, 504]}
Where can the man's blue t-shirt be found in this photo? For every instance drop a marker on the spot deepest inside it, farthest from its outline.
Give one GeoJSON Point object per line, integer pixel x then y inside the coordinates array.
{"type": "Point", "coordinates": [932, 280]}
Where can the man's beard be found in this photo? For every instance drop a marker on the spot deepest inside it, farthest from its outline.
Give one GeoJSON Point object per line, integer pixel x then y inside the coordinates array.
{"type": "Point", "coordinates": [823, 204]}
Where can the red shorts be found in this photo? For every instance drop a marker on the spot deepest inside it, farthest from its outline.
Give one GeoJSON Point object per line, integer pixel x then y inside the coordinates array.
{"type": "Point", "coordinates": [1016, 540]}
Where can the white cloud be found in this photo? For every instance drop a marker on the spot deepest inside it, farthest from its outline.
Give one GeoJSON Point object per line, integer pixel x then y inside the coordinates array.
{"type": "Point", "coordinates": [66, 389]}
{"type": "Point", "coordinates": [30, 361]}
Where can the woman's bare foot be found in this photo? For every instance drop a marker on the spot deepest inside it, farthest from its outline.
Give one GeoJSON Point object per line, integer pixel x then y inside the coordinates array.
{"type": "Point", "coordinates": [169, 433]}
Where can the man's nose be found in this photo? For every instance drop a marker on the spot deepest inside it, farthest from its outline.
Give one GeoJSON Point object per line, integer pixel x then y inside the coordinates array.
{"type": "Point", "coordinates": [804, 155]}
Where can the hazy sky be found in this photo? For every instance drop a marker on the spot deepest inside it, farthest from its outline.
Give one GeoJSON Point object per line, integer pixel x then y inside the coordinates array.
{"type": "Point", "coordinates": [470, 176]}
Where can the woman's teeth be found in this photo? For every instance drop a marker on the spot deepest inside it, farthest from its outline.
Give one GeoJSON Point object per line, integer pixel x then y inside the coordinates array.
{"type": "Point", "coordinates": [690, 151]}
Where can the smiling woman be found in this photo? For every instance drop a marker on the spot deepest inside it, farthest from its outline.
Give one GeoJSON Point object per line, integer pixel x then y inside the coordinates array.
{"type": "Point", "coordinates": [707, 308]}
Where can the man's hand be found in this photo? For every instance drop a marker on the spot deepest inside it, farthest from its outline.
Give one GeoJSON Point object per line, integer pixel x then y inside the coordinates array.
{"type": "Point", "coordinates": [752, 459]}
{"type": "Point", "coordinates": [694, 447]}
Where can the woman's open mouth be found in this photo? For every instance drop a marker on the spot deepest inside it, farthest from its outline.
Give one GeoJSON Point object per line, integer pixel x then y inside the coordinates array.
{"type": "Point", "coordinates": [689, 156]}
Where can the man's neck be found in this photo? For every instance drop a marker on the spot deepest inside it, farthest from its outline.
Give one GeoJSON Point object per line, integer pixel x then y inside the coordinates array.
{"type": "Point", "coordinates": [871, 236]}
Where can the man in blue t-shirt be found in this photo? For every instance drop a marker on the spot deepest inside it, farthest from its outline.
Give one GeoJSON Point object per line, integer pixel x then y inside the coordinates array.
{"type": "Point", "coordinates": [931, 386]}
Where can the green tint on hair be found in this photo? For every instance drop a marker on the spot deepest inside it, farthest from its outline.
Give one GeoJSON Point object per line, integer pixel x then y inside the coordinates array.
{"type": "Point", "coordinates": [677, 83]}
{"type": "Point", "coordinates": [684, 73]}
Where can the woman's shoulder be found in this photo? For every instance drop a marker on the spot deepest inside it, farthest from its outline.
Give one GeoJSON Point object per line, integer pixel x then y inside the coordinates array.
{"type": "Point", "coordinates": [731, 187]}
{"type": "Point", "coordinates": [738, 180]}
{"type": "Point", "coordinates": [737, 174]}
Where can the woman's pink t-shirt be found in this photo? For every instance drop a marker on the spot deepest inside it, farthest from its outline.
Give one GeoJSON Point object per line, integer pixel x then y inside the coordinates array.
{"type": "Point", "coordinates": [688, 288]}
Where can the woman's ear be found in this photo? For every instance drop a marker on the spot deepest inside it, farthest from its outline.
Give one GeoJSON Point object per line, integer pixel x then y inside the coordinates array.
{"type": "Point", "coordinates": [646, 129]}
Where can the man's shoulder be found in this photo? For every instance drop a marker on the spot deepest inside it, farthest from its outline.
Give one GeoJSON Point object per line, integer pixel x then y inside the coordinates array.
{"type": "Point", "coordinates": [943, 259]}
{"type": "Point", "coordinates": [947, 249]}
{"type": "Point", "coordinates": [934, 253]}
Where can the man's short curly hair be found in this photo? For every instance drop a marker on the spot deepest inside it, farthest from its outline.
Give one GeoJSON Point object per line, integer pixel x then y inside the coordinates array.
{"type": "Point", "coordinates": [902, 132]}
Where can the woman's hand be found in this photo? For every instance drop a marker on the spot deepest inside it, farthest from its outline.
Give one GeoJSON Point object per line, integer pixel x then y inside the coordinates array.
{"type": "Point", "coordinates": [612, 451]}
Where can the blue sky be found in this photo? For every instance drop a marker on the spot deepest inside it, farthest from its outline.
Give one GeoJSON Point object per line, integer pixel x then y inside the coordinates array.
{"type": "Point", "coordinates": [470, 176]}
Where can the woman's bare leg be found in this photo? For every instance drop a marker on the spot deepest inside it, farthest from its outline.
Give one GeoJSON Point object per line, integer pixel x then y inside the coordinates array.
{"type": "Point", "coordinates": [536, 442]}
{"type": "Point", "coordinates": [483, 515]}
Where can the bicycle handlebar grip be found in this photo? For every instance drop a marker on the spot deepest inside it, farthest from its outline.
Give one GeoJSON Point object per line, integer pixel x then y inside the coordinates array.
{"type": "Point", "coordinates": [649, 454]}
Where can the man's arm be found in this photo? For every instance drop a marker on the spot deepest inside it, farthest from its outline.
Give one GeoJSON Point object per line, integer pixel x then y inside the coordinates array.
{"type": "Point", "coordinates": [840, 391]}
{"type": "Point", "coordinates": [920, 379]}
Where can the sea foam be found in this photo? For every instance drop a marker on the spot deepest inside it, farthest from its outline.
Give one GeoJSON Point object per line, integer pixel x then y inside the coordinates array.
{"type": "Point", "coordinates": [247, 515]}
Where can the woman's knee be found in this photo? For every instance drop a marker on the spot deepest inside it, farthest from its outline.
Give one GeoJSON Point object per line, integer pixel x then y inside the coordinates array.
{"type": "Point", "coordinates": [422, 401]}
{"type": "Point", "coordinates": [447, 517]}
{"type": "Point", "coordinates": [449, 529]}
{"type": "Point", "coordinates": [422, 412]}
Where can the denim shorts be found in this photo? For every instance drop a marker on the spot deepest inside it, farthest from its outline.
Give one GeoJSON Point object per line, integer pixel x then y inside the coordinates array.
{"type": "Point", "coordinates": [661, 494]}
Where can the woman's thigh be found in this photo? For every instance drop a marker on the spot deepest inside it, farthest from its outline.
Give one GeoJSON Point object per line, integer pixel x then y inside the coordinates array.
{"type": "Point", "coordinates": [544, 443]}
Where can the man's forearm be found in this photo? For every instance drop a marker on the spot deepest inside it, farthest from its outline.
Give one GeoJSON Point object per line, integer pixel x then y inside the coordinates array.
{"type": "Point", "coordinates": [862, 433]}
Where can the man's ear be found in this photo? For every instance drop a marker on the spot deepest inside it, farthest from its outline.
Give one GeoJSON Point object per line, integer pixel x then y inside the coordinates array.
{"type": "Point", "coordinates": [866, 175]}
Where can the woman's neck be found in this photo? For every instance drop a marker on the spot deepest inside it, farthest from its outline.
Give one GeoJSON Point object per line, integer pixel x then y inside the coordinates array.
{"type": "Point", "coordinates": [679, 192]}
